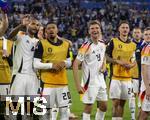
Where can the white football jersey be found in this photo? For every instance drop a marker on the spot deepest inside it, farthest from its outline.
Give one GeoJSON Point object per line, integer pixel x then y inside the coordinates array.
{"type": "Point", "coordinates": [145, 60]}
{"type": "Point", "coordinates": [23, 54]}
{"type": "Point", "coordinates": [92, 57]}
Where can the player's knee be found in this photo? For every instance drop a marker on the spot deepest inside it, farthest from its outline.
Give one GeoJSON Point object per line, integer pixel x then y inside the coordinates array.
{"type": "Point", "coordinates": [115, 110]}
{"type": "Point", "coordinates": [118, 106]}
{"type": "Point", "coordinates": [143, 115]}
{"type": "Point", "coordinates": [64, 115]}
{"type": "Point", "coordinates": [103, 107]}
{"type": "Point", "coordinates": [116, 103]}
{"type": "Point", "coordinates": [88, 108]}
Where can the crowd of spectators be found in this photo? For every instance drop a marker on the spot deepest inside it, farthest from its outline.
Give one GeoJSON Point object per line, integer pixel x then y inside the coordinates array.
{"type": "Point", "coordinates": [72, 18]}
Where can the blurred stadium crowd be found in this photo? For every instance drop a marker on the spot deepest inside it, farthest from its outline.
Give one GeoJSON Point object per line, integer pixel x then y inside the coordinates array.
{"type": "Point", "coordinates": [72, 15]}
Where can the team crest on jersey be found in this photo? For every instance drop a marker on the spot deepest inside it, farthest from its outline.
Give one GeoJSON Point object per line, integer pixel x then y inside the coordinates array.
{"type": "Point", "coordinates": [49, 50]}
{"type": "Point", "coordinates": [120, 46]}
{"type": "Point", "coordinates": [93, 52]}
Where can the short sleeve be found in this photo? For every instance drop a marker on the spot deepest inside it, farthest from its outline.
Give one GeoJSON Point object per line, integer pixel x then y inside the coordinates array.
{"type": "Point", "coordinates": [82, 51]}
{"type": "Point", "coordinates": [145, 55]}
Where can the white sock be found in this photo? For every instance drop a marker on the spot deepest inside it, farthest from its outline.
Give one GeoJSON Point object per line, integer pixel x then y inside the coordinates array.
{"type": "Point", "coordinates": [54, 113]}
{"type": "Point", "coordinates": [97, 116]}
{"type": "Point", "coordinates": [64, 113]}
{"type": "Point", "coordinates": [139, 102]}
{"type": "Point", "coordinates": [85, 116]}
{"type": "Point", "coordinates": [114, 118]}
{"type": "Point", "coordinates": [132, 107]}
{"type": "Point", "coordinates": [117, 118]}
{"type": "Point", "coordinates": [69, 110]}
{"type": "Point", "coordinates": [100, 115]}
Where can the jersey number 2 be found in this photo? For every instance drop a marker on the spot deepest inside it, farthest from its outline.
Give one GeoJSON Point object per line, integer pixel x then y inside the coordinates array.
{"type": "Point", "coordinates": [66, 96]}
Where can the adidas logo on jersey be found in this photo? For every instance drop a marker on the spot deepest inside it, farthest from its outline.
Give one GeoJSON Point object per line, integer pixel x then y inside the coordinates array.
{"type": "Point", "coordinates": [93, 52]}
{"type": "Point", "coordinates": [27, 41]}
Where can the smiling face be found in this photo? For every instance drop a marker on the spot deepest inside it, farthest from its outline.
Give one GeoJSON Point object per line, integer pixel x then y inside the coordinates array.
{"type": "Point", "coordinates": [95, 31]}
{"type": "Point", "coordinates": [51, 31]}
{"type": "Point", "coordinates": [146, 35]}
{"type": "Point", "coordinates": [124, 29]}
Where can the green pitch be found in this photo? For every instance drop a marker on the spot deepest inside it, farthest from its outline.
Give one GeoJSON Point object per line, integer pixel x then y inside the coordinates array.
{"type": "Point", "coordinates": [77, 106]}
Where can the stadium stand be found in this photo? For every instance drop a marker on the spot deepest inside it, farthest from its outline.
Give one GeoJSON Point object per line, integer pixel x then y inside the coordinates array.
{"type": "Point", "coordinates": [72, 15]}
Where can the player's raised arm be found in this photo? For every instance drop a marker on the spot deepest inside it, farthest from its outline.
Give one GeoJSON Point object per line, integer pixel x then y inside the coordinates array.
{"type": "Point", "coordinates": [4, 23]}
{"type": "Point", "coordinates": [25, 21]}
